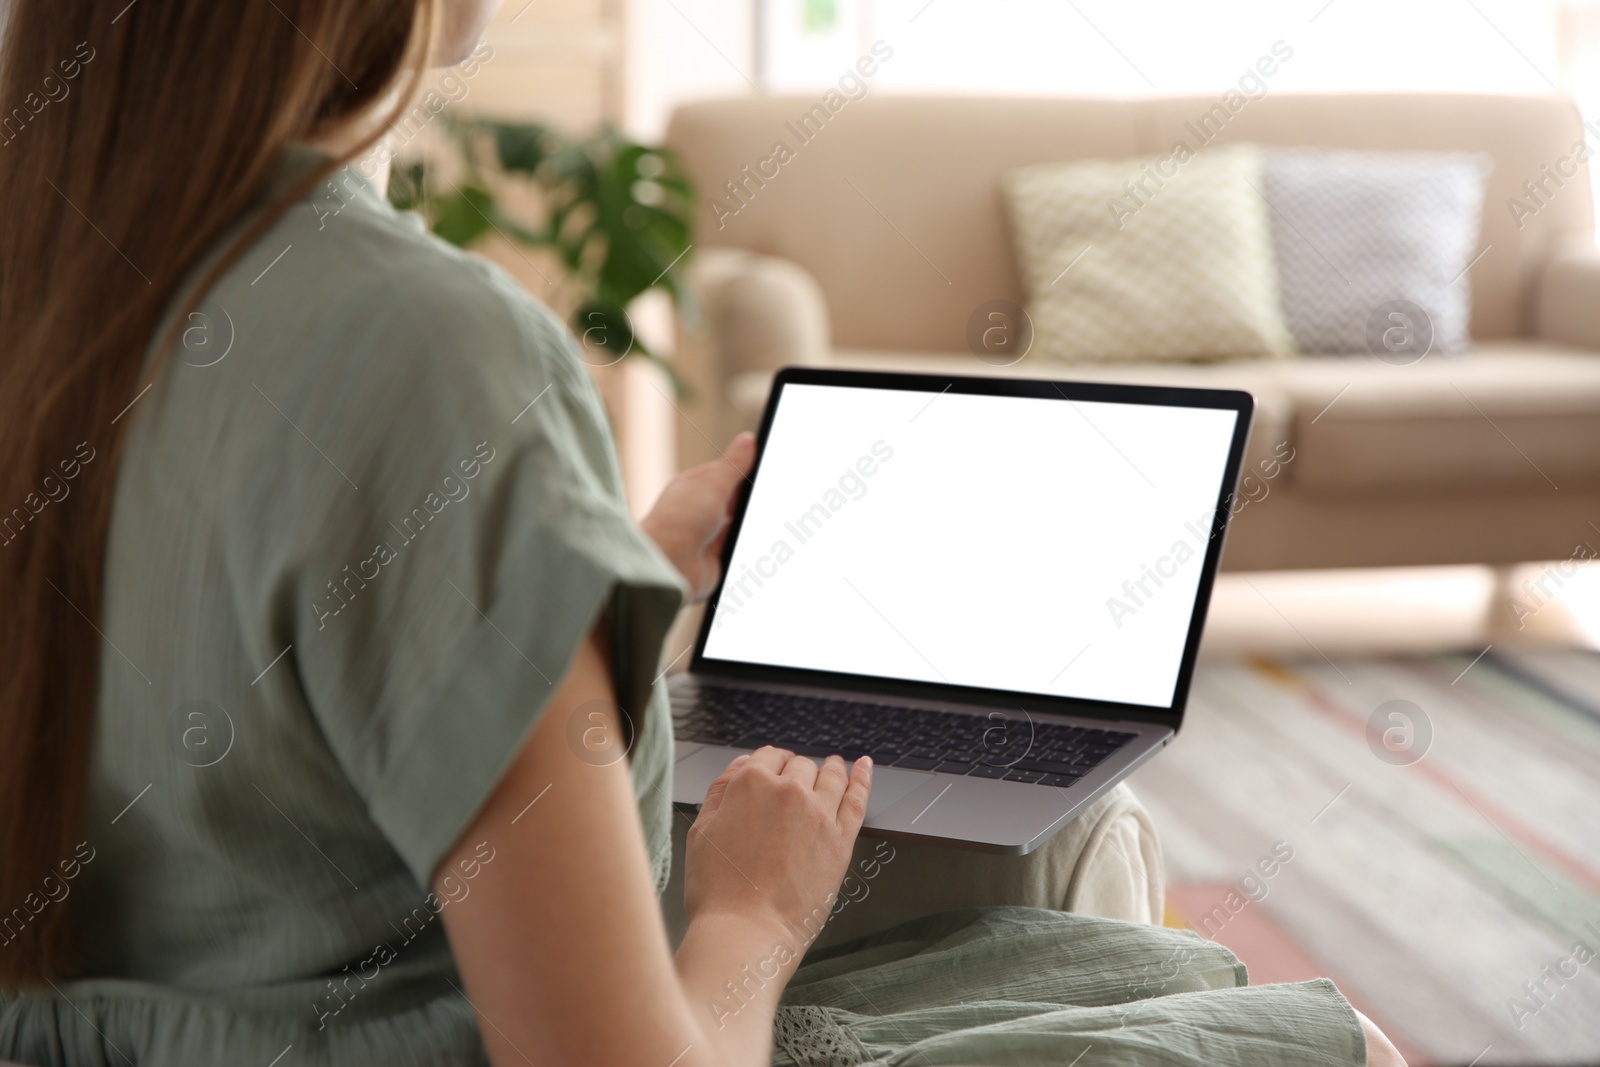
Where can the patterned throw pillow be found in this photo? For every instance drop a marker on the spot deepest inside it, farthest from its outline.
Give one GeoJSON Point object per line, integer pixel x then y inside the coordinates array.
{"type": "Point", "coordinates": [1166, 258]}
{"type": "Point", "coordinates": [1373, 247]}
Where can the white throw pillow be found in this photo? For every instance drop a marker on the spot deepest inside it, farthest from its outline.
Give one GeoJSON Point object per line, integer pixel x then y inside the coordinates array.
{"type": "Point", "coordinates": [1373, 248]}
{"type": "Point", "coordinates": [1166, 258]}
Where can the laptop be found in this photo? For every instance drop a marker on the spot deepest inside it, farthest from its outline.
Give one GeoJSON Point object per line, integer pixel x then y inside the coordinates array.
{"type": "Point", "coordinates": [993, 587]}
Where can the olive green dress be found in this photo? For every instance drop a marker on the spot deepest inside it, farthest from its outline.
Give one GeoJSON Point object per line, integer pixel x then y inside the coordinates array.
{"type": "Point", "coordinates": [366, 515]}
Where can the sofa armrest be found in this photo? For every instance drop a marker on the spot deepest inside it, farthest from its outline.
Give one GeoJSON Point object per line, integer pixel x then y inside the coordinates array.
{"type": "Point", "coordinates": [1567, 304]}
{"type": "Point", "coordinates": [755, 313]}
{"type": "Point", "coordinates": [760, 312]}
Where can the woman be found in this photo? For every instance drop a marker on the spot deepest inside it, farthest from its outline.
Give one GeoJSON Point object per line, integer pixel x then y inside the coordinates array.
{"type": "Point", "coordinates": [320, 581]}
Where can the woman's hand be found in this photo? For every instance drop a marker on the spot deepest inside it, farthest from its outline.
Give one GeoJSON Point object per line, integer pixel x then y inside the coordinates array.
{"type": "Point", "coordinates": [690, 520]}
{"type": "Point", "coordinates": [577, 969]}
{"type": "Point", "coordinates": [774, 839]}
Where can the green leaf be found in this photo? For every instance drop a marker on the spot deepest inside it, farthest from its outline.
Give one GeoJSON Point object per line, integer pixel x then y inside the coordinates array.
{"type": "Point", "coordinates": [463, 216]}
{"type": "Point", "coordinates": [408, 186]}
{"type": "Point", "coordinates": [602, 327]}
{"type": "Point", "coordinates": [522, 149]}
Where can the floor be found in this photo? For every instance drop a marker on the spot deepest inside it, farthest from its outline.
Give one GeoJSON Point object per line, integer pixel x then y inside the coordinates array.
{"type": "Point", "coordinates": [1384, 779]}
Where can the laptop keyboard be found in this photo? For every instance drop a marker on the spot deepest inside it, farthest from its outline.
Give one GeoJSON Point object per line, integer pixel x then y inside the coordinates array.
{"type": "Point", "coordinates": [1002, 745]}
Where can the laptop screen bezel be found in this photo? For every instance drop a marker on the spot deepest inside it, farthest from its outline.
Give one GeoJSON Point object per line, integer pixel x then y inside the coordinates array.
{"type": "Point", "coordinates": [1241, 403]}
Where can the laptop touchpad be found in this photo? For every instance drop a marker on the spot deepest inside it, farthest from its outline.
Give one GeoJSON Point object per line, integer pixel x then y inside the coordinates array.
{"type": "Point", "coordinates": [889, 786]}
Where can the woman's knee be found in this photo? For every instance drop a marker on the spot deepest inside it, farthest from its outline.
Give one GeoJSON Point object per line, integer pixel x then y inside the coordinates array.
{"type": "Point", "coordinates": [1117, 868]}
{"type": "Point", "coordinates": [1380, 1050]}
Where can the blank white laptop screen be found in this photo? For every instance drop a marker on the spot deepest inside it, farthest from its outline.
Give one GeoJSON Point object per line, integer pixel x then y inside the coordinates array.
{"type": "Point", "coordinates": [1035, 545]}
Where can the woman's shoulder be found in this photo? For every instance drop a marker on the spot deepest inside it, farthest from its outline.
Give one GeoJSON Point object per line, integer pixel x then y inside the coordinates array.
{"type": "Point", "coordinates": [343, 279]}
{"type": "Point", "coordinates": [349, 326]}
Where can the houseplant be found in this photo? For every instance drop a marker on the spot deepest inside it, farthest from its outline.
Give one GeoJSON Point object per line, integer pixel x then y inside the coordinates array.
{"type": "Point", "coordinates": [616, 214]}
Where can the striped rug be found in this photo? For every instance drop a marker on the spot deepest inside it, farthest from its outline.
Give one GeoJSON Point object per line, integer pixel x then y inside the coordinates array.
{"type": "Point", "coordinates": [1424, 831]}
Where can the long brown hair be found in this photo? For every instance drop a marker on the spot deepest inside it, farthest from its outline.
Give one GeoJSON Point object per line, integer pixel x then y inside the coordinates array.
{"type": "Point", "coordinates": [139, 134]}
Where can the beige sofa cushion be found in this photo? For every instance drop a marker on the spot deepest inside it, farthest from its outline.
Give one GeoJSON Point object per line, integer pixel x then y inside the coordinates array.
{"type": "Point", "coordinates": [1509, 417]}
{"type": "Point", "coordinates": [1506, 418]}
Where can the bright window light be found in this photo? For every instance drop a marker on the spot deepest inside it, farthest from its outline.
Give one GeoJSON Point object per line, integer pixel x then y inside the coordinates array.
{"type": "Point", "coordinates": [1111, 47]}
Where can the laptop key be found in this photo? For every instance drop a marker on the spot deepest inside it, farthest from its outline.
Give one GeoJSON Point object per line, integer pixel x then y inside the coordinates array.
{"type": "Point", "coordinates": [916, 763]}
{"type": "Point", "coordinates": [1040, 766]}
{"type": "Point", "coordinates": [815, 751]}
{"type": "Point", "coordinates": [1060, 781]}
{"type": "Point", "coordinates": [954, 767]}
{"type": "Point", "coordinates": [981, 770]}
{"type": "Point", "coordinates": [1023, 776]}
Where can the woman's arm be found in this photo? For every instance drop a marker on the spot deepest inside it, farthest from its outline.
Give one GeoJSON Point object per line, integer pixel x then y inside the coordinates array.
{"type": "Point", "coordinates": [561, 944]}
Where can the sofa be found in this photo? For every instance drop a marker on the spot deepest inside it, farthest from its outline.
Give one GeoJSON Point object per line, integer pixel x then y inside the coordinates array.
{"type": "Point", "coordinates": [872, 242]}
